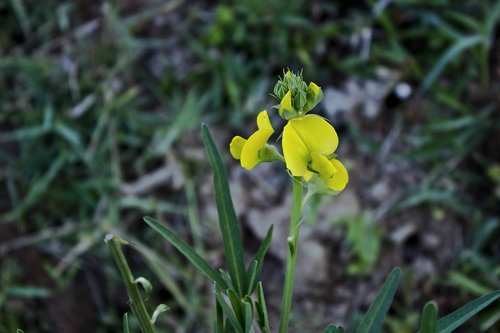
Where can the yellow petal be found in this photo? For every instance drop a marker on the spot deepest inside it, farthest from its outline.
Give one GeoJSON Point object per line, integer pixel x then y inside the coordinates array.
{"type": "Point", "coordinates": [308, 175]}
{"type": "Point", "coordinates": [263, 121]}
{"type": "Point", "coordinates": [316, 134]}
{"type": "Point", "coordinates": [286, 103]}
{"type": "Point", "coordinates": [250, 151]}
{"type": "Point", "coordinates": [323, 166]}
{"type": "Point", "coordinates": [295, 152]}
{"type": "Point", "coordinates": [339, 180]}
{"type": "Point", "coordinates": [236, 146]}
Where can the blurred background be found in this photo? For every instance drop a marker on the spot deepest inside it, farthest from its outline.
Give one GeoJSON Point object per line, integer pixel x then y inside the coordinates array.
{"type": "Point", "coordinates": [100, 110]}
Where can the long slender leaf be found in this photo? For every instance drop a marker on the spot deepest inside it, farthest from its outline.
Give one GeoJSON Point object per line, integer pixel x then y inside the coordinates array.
{"type": "Point", "coordinates": [450, 322]}
{"type": "Point", "coordinates": [236, 303]}
{"type": "Point", "coordinates": [374, 318]}
{"type": "Point", "coordinates": [228, 311]}
{"type": "Point", "coordinates": [126, 329]}
{"type": "Point", "coordinates": [159, 310]}
{"type": "Point", "coordinates": [233, 248]}
{"type": "Point", "coordinates": [253, 273]}
{"type": "Point", "coordinates": [261, 308]}
{"type": "Point", "coordinates": [219, 319]}
{"type": "Point", "coordinates": [187, 251]}
{"type": "Point", "coordinates": [227, 279]}
{"type": "Point", "coordinates": [428, 323]}
{"type": "Point", "coordinates": [247, 310]}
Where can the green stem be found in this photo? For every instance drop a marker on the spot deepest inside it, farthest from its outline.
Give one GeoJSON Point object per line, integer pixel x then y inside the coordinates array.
{"type": "Point", "coordinates": [135, 300]}
{"type": "Point", "coordinates": [295, 219]}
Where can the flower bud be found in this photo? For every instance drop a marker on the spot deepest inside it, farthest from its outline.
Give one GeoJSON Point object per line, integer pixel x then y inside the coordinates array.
{"type": "Point", "coordinates": [269, 153]}
{"type": "Point", "coordinates": [295, 96]}
{"type": "Point", "coordinates": [314, 96]}
{"type": "Point", "coordinates": [279, 90]}
{"type": "Point", "coordinates": [300, 100]}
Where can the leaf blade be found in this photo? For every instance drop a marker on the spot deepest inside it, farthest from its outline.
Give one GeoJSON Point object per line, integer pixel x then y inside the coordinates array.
{"type": "Point", "coordinates": [186, 250]}
{"type": "Point", "coordinates": [428, 323]}
{"type": "Point", "coordinates": [254, 272]}
{"type": "Point", "coordinates": [450, 322]}
{"type": "Point", "coordinates": [233, 248]}
{"type": "Point", "coordinates": [226, 309]}
{"type": "Point", "coordinates": [374, 318]}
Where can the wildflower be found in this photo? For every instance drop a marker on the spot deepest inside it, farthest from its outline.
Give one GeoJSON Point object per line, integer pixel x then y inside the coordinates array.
{"type": "Point", "coordinates": [309, 144]}
{"type": "Point", "coordinates": [255, 149]}
{"type": "Point", "coordinates": [309, 141]}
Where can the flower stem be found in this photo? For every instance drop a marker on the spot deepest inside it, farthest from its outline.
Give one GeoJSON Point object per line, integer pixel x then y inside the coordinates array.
{"type": "Point", "coordinates": [295, 219]}
{"type": "Point", "coordinates": [135, 300]}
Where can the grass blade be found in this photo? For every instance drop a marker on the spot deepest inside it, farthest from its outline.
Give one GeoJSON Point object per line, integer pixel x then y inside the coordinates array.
{"type": "Point", "coordinates": [450, 322]}
{"type": "Point", "coordinates": [461, 45]}
{"type": "Point", "coordinates": [233, 248]}
{"type": "Point", "coordinates": [187, 251]}
{"type": "Point", "coordinates": [374, 318]}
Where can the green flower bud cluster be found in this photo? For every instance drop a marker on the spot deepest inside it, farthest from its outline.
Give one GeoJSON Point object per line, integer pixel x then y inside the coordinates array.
{"type": "Point", "coordinates": [296, 84]}
{"type": "Point", "coordinates": [295, 96]}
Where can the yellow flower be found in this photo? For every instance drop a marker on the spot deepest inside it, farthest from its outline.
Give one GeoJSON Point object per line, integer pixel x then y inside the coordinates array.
{"type": "Point", "coordinates": [309, 144]}
{"type": "Point", "coordinates": [253, 150]}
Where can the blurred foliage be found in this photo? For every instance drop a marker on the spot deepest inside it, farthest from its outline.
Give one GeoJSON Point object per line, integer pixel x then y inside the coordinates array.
{"type": "Point", "coordinates": [364, 238]}
{"type": "Point", "coordinates": [94, 95]}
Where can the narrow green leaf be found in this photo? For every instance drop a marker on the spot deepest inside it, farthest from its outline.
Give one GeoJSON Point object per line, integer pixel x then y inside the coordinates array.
{"type": "Point", "coordinates": [187, 251]}
{"type": "Point", "coordinates": [126, 329]}
{"type": "Point", "coordinates": [228, 312]}
{"type": "Point", "coordinates": [219, 319]}
{"type": "Point", "coordinates": [236, 304]}
{"type": "Point", "coordinates": [334, 329]}
{"type": "Point", "coordinates": [492, 19]}
{"type": "Point", "coordinates": [261, 308]}
{"type": "Point", "coordinates": [374, 318]}
{"type": "Point", "coordinates": [248, 315]}
{"type": "Point", "coordinates": [253, 276]}
{"type": "Point", "coordinates": [159, 309]}
{"type": "Point", "coordinates": [428, 323]}
{"type": "Point", "coordinates": [228, 328]}
{"type": "Point", "coordinates": [471, 285]}
{"type": "Point", "coordinates": [226, 279]}
{"type": "Point", "coordinates": [135, 300]}
{"type": "Point", "coordinates": [145, 284]}
{"type": "Point", "coordinates": [455, 319]}
{"type": "Point", "coordinates": [233, 248]}
{"type": "Point", "coordinates": [37, 188]}
{"type": "Point", "coordinates": [27, 292]}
